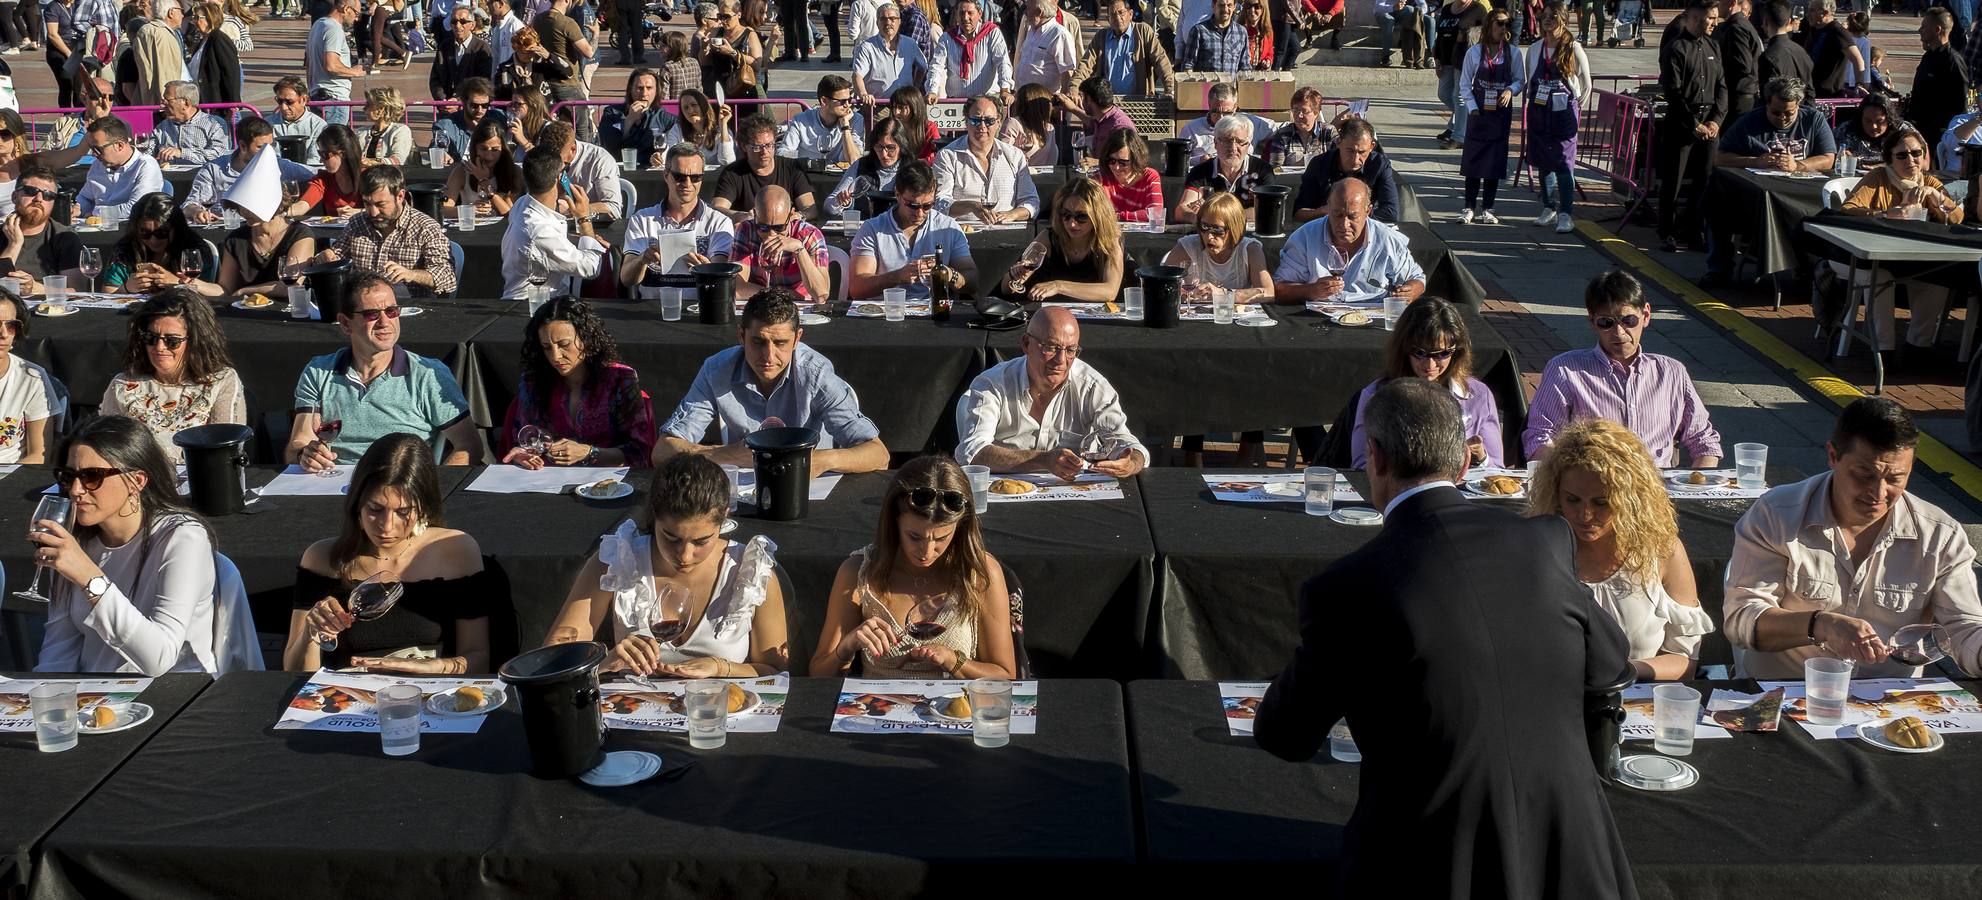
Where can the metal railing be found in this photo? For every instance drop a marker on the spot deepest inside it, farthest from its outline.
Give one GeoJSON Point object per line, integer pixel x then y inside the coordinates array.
{"type": "Point", "coordinates": [1614, 140]}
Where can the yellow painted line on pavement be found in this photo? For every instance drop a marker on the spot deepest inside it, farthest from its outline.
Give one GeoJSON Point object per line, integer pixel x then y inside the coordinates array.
{"type": "Point", "coordinates": [1936, 455]}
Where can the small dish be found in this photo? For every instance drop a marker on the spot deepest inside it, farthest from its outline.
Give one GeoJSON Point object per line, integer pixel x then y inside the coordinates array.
{"type": "Point", "coordinates": [48, 311]}
{"type": "Point", "coordinates": [750, 702]}
{"type": "Point", "coordinates": [132, 716]}
{"type": "Point", "coordinates": [1679, 482]}
{"type": "Point", "coordinates": [1476, 485]}
{"type": "Point", "coordinates": [442, 703]}
{"type": "Point", "coordinates": [729, 525]}
{"type": "Point", "coordinates": [1256, 320]}
{"type": "Point", "coordinates": [1656, 773]}
{"type": "Point", "coordinates": [1356, 515]}
{"type": "Point", "coordinates": [1012, 487]}
{"type": "Point", "coordinates": [1874, 733]}
{"type": "Point", "coordinates": [812, 318]}
{"type": "Point", "coordinates": [1342, 318]}
{"type": "Point", "coordinates": [937, 705]}
{"type": "Point", "coordinates": [614, 491]}
{"type": "Point", "coordinates": [411, 310]}
{"type": "Point", "coordinates": [623, 767]}
{"type": "Point", "coordinates": [267, 304]}
{"type": "Point", "coordinates": [1289, 490]}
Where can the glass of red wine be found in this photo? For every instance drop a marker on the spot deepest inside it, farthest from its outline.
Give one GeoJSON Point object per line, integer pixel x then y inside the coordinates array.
{"type": "Point", "coordinates": [372, 598]}
{"type": "Point", "coordinates": [922, 624]}
{"type": "Point", "coordinates": [670, 614]}
{"type": "Point", "coordinates": [191, 266]}
{"type": "Point", "coordinates": [327, 431]}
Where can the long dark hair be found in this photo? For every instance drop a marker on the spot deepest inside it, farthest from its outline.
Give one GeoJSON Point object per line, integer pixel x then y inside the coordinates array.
{"type": "Point", "coordinates": [687, 486]}
{"type": "Point", "coordinates": [338, 138]}
{"type": "Point", "coordinates": [706, 136]}
{"type": "Point", "coordinates": [206, 343]}
{"type": "Point", "coordinates": [915, 120]}
{"type": "Point", "coordinates": [1424, 322]}
{"type": "Point", "coordinates": [401, 461]}
{"type": "Point", "coordinates": [600, 349]}
{"type": "Point", "coordinates": [125, 443]}
{"type": "Point", "coordinates": [508, 176]}
{"type": "Point", "coordinates": [883, 129]}
{"type": "Point", "coordinates": [1033, 107]}
{"type": "Point", "coordinates": [963, 560]}
{"type": "Point", "coordinates": [158, 207]}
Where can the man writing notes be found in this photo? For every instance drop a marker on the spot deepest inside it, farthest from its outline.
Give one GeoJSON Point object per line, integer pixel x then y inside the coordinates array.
{"type": "Point", "coordinates": [1374, 259]}
{"type": "Point", "coordinates": [1032, 414]}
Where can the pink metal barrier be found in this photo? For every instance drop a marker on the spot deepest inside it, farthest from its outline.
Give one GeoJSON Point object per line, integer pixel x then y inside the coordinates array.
{"type": "Point", "coordinates": [1614, 140]}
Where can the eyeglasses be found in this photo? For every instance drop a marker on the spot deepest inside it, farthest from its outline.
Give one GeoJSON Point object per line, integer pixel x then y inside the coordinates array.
{"type": "Point", "coordinates": [1628, 320]}
{"type": "Point", "coordinates": [372, 315]}
{"type": "Point", "coordinates": [888, 148]}
{"type": "Point", "coordinates": [92, 478]}
{"type": "Point", "coordinates": [686, 177]}
{"type": "Point", "coordinates": [482, 105]}
{"type": "Point", "coordinates": [919, 207]}
{"type": "Point", "coordinates": [1072, 217]}
{"type": "Point", "coordinates": [927, 498]}
{"type": "Point", "coordinates": [171, 341]}
{"type": "Point", "coordinates": [1421, 354]}
{"type": "Point", "coordinates": [13, 326]}
{"type": "Point", "coordinates": [464, 21]}
{"type": "Point", "coordinates": [981, 121]}
{"type": "Point", "coordinates": [760, 148]}
{"type": "Point", "coordinates": [1120, 161]}
{"type": "Point", "coordinates": [1067, 350]}
{"type": "Point", "coordinates": [149, 233]}
{"type": "Point", "coordinates": [288, 101]}
{"type": "Point", "coordinates": [1213, 230]}
{"type": "Point", "coordinates": [30, 191]}
{"type": "Point", "coordinates": [891, 18]}
{"type": "Point", "coordinates": [1915, 153]}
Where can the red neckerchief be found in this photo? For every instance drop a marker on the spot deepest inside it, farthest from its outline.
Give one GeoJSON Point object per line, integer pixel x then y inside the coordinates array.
{"type": "Point", "coordinates": [969, 46]}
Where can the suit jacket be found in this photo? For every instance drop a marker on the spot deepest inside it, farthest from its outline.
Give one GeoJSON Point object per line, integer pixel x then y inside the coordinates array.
{"type": "Point", "coordinates": [444, 79]}
{"type": "Point", "coordinates": [220, 70]}
{"type": "Point", "coordinates": [1740, 57]}
{"type": "Point", "coordinates": [1459, 643]}
{"type": "Point", "coordinates": [1152, 62]}
{"type": "Point", "coordinates": [1781, 55]}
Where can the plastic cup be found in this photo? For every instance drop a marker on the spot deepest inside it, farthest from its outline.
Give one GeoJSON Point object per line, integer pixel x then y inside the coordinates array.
{"type": "Point", "coordinates": [1320, 483]}
{"type": "Point", "coordinates": [1221, 306]}
{"type": "Point", "coordinates": [1393, 309]}
{"type": "Point", "coordinates": [629, 159]}
{"type": "Point", "coordinates": [735, 475]}
{"type": "Point", "coordinates": [980, 487]}
{"type": "Point", "coordinates": [464, 217]}
{"type": "Point", "coordinates": [1342, 743]}
{"type": "Point", "coordinates": [1156, 218]}
{"type": "Point", "coordinates": [229, 219]}
{"type": "Point", "coordinates": [990, 711]}
{"type": "Point", "coordinates": [56, 289]}
{"type": "Point", "coordinates": [850, 219]}
{"type": "Point", "coordinates": [1132, 302]}
{"type": "Point", "coordinates": [436, 157]}
{"type": "Point", "coordinates": [1826, 688]}
{"type": "Point", "coordinates": [55, 722]}
{"type": "Point", "coordinates": [894, 302]}
{"type": "Point", "coordinates": [671, 304]}
{"type": "Point", "coordinates": [707, 704]}
{"type": "Point", "coordinates": [301, 304]}
{"type": "Point", "coordinates": [1751, 463]}
{"type": "Point", "coordinates": [11, 285]}
{"type": "Point", "coordinates": [399, 719]}
{"type": "Point", "coordinates": [1675, 709]}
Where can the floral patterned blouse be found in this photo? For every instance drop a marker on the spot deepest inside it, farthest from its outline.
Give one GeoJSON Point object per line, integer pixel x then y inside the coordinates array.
{"type": "Point", "coordinates": [613, 414]}
{"type": "Point", "coordinates": [168, 409]}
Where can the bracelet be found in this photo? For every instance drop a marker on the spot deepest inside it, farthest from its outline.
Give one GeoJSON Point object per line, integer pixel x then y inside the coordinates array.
{"type": "Point", "coordinates": [1811, 632]}
{"type": "Point", "coordinates": [591, 456]}
{"type": "Point", "coordinates": [956, 671]}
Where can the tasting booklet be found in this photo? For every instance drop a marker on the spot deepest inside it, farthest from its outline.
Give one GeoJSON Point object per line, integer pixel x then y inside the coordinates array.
{"type": "Point", "coordinates": [656, 704]}
{"type": "Point", "coordinates": [343, 701]}
{"type": "Point", "coordinates": [17, 715]}
{"type": "Point", "coordinates": [869, 705]}
{"type": "Point", "coordinates": [1941, 704]}
{"type": "Point", "coordinates": [1240, 701]}
{"type": "Point", "coordinates": [1047, 486]}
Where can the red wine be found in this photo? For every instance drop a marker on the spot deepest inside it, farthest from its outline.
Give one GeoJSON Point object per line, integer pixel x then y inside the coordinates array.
{"type": "Point", "coordinates": [923, 631]}
{"type": "Point", "coordinates": [328, 431]}
{"type": "Point", "coordinates": [1907, 656]}
{"type": "Point", "coordinates": [667, 630]}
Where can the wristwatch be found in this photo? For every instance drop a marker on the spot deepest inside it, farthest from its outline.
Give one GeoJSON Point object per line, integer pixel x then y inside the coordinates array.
{"type": "Point", "coordinates": [96, 588]}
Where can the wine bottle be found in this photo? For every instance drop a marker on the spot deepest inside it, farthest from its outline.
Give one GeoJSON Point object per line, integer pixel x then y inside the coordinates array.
{"type": "Point", "coordinates": [939, 290]}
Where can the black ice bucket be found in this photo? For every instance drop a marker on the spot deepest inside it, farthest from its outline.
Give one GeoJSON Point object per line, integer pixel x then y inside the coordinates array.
{"type": "Point", "coordinates": [784, 471]}
{"type": "Point", "coordinates": [293, 147]}
{"type": "Point", "coordinates": [326, 282]}
{"type": "Point", "coordinates": [1270, 209]}
{"type": "Point", "coordinates": [1162, 295]}
{"type": "Point", "coordinates": [426, 197]}
{"type": "Point", "coordinates": [715, 290]}
{"type": "Point", "coordinates": [216, 466]}
{"type": "Point", "coordinates": [1603, 721]}
{"type": "Point", "coordinates": [557, 688]}
{"type": "Point", "coordinates": [1176, 157]}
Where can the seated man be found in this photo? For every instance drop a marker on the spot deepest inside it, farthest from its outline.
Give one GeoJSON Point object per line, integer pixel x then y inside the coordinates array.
{"type": "Point", "coordinates": [402, 245]}
{"type": "Point", "coordinates": [757, 167]}
{"type": "Point", "coordinates": [831, 131]}
{"type": "Point", "coordinates": [773, 379]}
{"type": "Point", "coordinates": [1783, 135]}
{"type": "Point", "coordinates": [293, 118]}
{"type": "Point", "coordinates": [1355, 156]}
{"type": "Point", "coordinates": [586, 165]}
{"type": "Point", "coordinates": [31, 245]}
{"type": "Point", "coordinates": [119, 173]}
{"type": "Point", "coordinates": [453, 131]}
{"type": "Point", "coordinates": [681, 211]}
{"type": "Point", "coordinates": [1032, 414]}
{"type": "Point", "coordinates": [1223, 100]}
{"type": "Point", "coordinates": [211, 182]}
{"type": "Point", "coordinates": [1648, 393]}
{"type": "Point", "coordinates": [1790, 593]}
{"type": "Point", "coordinates": [537, 231]}
{"type": "Point", "coordinates": [186, 134]}
{"type": "Point", "coordinates": [984, 176]}
{"type": "Point", "coordinates": [640, 123]}
{"type": "Point", "coordinates": [1370, 260]}
{"type": "Point", "coordinates": [375, 387]}
{"type": "Point", "coordinates": [901, 249]}
{"type": "Point", "coordinates": [777, 249]}
{"type": "Point", "coordinates": [1306, 135]}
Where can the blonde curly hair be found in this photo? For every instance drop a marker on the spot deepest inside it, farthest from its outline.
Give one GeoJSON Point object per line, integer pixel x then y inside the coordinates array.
{"type": "Point", "coordinates": [1641, 513]}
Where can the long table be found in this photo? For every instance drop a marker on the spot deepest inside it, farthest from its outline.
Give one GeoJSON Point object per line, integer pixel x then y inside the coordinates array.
{"type": "Point", "coordinates": [220, 805]}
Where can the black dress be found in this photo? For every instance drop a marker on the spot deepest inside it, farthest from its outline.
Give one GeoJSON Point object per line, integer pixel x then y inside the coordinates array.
{"type": "Point", "coordinates": [255, 269]}
{"type": "Point", "coordinates": [1057, 267]}
{"type": "Point", "coordinates": [425, 615]}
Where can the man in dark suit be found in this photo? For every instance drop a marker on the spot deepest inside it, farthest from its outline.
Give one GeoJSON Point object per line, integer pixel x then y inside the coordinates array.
{"type": "Point", "coordinates": [459, 54]}
{"type": "Point", "coordinates": [1459, 644]}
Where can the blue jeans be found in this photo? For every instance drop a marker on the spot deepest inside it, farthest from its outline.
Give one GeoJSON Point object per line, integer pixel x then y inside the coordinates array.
{"type": "Point", "coordinates": [335, 115]}
{"type": "Point", "coordinates": [1563, 186]}
{"type": "Point", "coordinates": [1448, 94]}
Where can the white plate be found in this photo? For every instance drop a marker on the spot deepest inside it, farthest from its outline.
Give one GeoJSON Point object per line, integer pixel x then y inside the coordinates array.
{"type": "Point", "coordinates": [411, 310]}
{"type": "Point", "coordinates": [134, 715]}
{"type": "Point", "coordinates": [1874, 733]}
{"type": "Point", "coordinates": [936, 705]}
{"type": "Point", "coordinates": [480, 221]}
{"type": "Point", "coordinates": [94, 229]}
{"type": "Point", "coordinates": [1356, 515]}
{"type": "Point", "coordinates": [813, 319]}
{"type": "Point", "coordinates": [1257, 320]}
{"type": "Point", "coordinates": [1476, 485]}
{"type": "Point", "coordinates": [442, 703]}
{"type": "Point", "coordinates": [618, 490]}
{"type": "Point", "coordinates": [1678, 482]}
{"type": "Point", "coordinates": [270, 305]}
{"type": "Point", "coordinates": [623, 767]}
{"type": "Point", "coordinates": [1292, 490]}
{"type": "Point", "coordinates": [678, 702]}
{"type": "Point", "coordinates": [729, 525]}
{"type": "Point", "coordinates": [1337, 319]}
{"type": "Point", "coordinates": [48, 312]}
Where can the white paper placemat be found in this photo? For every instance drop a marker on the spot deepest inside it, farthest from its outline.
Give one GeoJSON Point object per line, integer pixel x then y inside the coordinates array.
{"type": "Point", "coordinates": [1240, 701]}
{"type": "Point", "coordinates": [899, 705]}
{"type": "Point", "coordinates": [656, 706]}
{"type": "Point", "coordinates": [294, 482]}
{"type": "Point", "coordinates": [1251, 488]}
{"type": "Point", "coordinates": [1090, 486]}
{"type": "Point", "coordinates": [505, 479]}
{"type": "Point", "coordinates": [344, 701]}
{"type": "Point", "coordinates": [16, 714]}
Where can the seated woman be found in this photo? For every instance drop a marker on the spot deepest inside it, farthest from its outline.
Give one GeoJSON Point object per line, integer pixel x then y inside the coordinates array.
{"type": "Point", "coordinates": [1221, 255]}
{"type": "Point", "coordinates": [392, 531]}
{"type": "Point", "coordinates": [587, 405]}
{"type": "Point", "coordinates": [730, 607]}
{"type": "Point", "coordinates": [254, 257]}
{"type": "Point", "coordinates": [176, 372]}
{"type": "Point", "coordinates": [704, 126]}
{"type": "Point", "coordinates": [28, 398]}
{"type": "Point", "coordinates": [1134, 186]}
{"type": "Point", "coordinates": [153, 247]}
{"type": "Point", "coordinates": [1080, 259]}
{"type": "Point", "coordinates": [1029, 126]}
{"type": "Point", "coordinates": [489, 178]}
{"type": "Point", "coordinates": [334, 192]}
{"type": "Point", "coordinates": [1863, 134]}
{"type": "Point", "coordinates": [919, 136]}
{"type": "Point", "coordinates": [389, 140]}
{"type": "Point", "coordinates": [1903, 189]}
{"type": "Point", "coordinates": [1232, 168]}
{"type": "Point", "coordinates": [132, 584]}
{"type": "Point", "coordinates": [1433, 343]}
{"type": "Point", "coordinates": [874, 170]}
{"type": "Point", "coordinates": [1600, 477]}
{"type": "Point", "coordinates": [528, 114]}
{"type": "Point", "coordinates": [927, 564]}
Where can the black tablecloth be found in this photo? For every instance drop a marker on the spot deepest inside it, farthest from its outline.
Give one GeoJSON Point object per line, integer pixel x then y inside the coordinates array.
{"type": "Point", "coordinates": [1768, 210]}
{"type": "Point", "coordinates": [1774, 815]}
{"type": "Point", "coordinates": [46, 786]}
{"type": "Point", "coordinates": [219, 804]}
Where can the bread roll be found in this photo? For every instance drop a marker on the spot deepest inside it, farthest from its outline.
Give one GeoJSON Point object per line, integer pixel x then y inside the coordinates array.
{"type": "Point", "coordinates": [958, 707]}
{"type": "Point", "coordinates": [738, 699]}
{"type": "Point", "coordinates": [1910, 732]}
{"type": "Point", "coordinates": [103, 717]}
{"type": "Point", "coordinates": [468, 698]}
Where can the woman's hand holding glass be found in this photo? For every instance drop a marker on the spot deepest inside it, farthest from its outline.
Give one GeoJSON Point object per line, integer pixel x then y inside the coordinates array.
{"type": "Point", "coordinates": [328, 619]}
{"type": "Point", "coordinates": [875, 636]}
{"type": "Point", "coordinates": [637, 655]}
{"type": "Point", "coordinates": [59, 550]}
{"type": "Point", "coordinates": [532, 446]}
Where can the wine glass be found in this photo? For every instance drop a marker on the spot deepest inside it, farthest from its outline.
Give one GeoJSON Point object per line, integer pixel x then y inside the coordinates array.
{"type": "Point", "coordinates": [670, 614]}
{"type": "Point", "coordinates": [60, 510]}
{"type": "Point", "coordinates": [327, 431]}
{"type": "Point", "coordinates": [1097, 447]}
{"type": "Point", "coordinates": [1337, 265]}
{"type": "Point", "coordinates": [91, 265]}
{"type": "Point", "coordinates": [191, 265]}
{"type": "Point", "coordinates": [1917, 645]}
{"type": "Point", "coordinates": [536, 271]}
{"type": "Point", "coordinates": [372, 598]}
{"type": "Point", "coordinates": [1028, 262]}
{"type": "Point", "coordinates": [534, 440]}
{"type": "Point", "coordinates": [922, 624]}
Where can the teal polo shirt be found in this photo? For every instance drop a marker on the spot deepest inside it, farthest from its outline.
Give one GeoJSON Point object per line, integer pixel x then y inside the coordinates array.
{"type": "Point", "coordinates": [416, 395]}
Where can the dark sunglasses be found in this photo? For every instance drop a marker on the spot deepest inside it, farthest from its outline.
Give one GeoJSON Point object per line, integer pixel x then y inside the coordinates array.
{"type": "Point", "coordinates": [981, 121]}
{"type": "Point", "coordinates": [1120, 161]}
{"type": "Point", "coordinates": [686, 177]}
{"type": "Point", "coordinates": [1074, 218]}
{"type": "Point", "coordinates": [840, 101]}
{"type": "Point", "coordinates": [13, 326]}
{"type": "Point", "coordinates": [171, 341]}
{"type": "Point", "coordinates": [920, 207]}
{"type": "Point", "coordinates": [775, 229]}
{"type": "Point", "coordinates": [1213, 230]}
{"type": "Point", "coordinates": [149, 233]}
{"type": "Point", "coordinates": [29, 191]}
{"type": "Point", "coordinates": [926, 498]}
{"type": "Point", "coordinates": [372, 315]}
{"type": "Point", "coordinates": [1628, 320]}
{"type": "Point", "coordinates": [1911, 154]}
{"type": "Point", "coordinates": [1421, 354]}
{"type": "Point", "coordinates": [482, 105]}
{"type": "Point", "coordinates": [91, 478]}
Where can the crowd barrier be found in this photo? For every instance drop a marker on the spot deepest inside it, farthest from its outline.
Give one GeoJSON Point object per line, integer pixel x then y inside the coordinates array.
{"type": "Point", "coordinates": [1615, 140]}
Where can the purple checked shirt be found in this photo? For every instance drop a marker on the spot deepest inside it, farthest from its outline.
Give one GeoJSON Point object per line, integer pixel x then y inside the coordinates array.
{"type": "Point", "coordinates": [1652, 395]}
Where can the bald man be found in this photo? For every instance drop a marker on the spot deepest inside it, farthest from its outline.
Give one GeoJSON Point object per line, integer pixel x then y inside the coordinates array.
{"type": "Point", "coordinates": [779, 249]}
{"type": "Point", "coordinates": [1346, 256]}
{"type": "Point", "coordinates": [1047, 411]}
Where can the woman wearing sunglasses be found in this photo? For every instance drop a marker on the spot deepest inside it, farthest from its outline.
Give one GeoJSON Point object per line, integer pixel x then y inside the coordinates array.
{"type": "Point", "coordinates": [176, 372]}
{"type": "Point", "coordinates": [927, 567]}
{"type": "Point", "coordinates": [136, 574]}
{"type": "Point", "coordinates": [1903, 188]}
{"type": "Point", "coordinates": [28, 398]}
{"type": "Point", "coordinates": [683, 601]}
{"type": "Point", "coordinates": [586, 403]}
{"type": "Point", "coordinates": [1134, 186]}
{"type": "Point", "coordinates": [1431, 342]}
{"type": "Point", "coordinates": [1080, 258]}
{"type": "Point", "coordinates": [392, 530]}
{"type": "Point", "coordinates": [151, 255]}
{"type": "Point", "coordinates": [1489, 81]}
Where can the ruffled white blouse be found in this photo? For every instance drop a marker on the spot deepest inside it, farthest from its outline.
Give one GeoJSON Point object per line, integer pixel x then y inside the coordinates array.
{"type": "Point", "coordinates": [723, 631]}
{"type": "Point", "coordinates": [1653, 622]}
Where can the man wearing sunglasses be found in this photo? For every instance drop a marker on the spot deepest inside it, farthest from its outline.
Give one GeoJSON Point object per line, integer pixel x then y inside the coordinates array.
{"type": "Point", "coordinates": [538, 232]}
{"type": "Point", "coordinates": [639, 123]}
{"type": "Point", "coordinates": [759, 166]}
{"type": "Point", "coordinates": [773, 379]}
{"type": "Point", "coordinates": [900, 249]}
{"type": "Point", "coordinates": [251, 134]}
{"type": "Point", "coordinates": [678, 233]}
{"type": "Point", "coordinates": [1034, 413]}
{"type": "Point", "coordinates": [119, 175]}
{"type": "Point", "coordinates": [459, 55]}
{"type": "Point", "coordinates": [777, 249]}
{"type": "Point", "coordinates": [36, 246]}
{"type": "Point", "coordinates": [186, 134]}
{"type": "Point", "coordinates": [376, 387]}
{"type": "Point", "coordinates": [1649, 393]}
{"type": "Point", "coordinates": [1345, 256]}
{"type": "Point", "coordinates": [1783, 135]}
{"type": "Point", "coordinates": [292, 117]}
{"type": "Point", "coordinates": [985, 177]}
{"type": "Point", "coordinates": [452, 132]}
{"type": "Point", "coordinates": [832, 131]}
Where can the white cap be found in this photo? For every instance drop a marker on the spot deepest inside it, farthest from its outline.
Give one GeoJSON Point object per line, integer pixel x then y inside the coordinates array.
{"type": "Point", "coordinates": [258, 192]}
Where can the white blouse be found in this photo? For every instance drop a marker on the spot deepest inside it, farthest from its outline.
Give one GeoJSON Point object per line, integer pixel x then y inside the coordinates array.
{"type": "Point", "coordinates": [723, 154]}
{"type": "Point", "coordinates": [1233, 274]}
{"type": "Point", "coordinates": [723, 630]}
{"type": "Point", "coordinates": [1653, 622]}
{"type": "Point", "coordinates": [157, 616]}
{"type": "Point", "coordinates": [168, 409]}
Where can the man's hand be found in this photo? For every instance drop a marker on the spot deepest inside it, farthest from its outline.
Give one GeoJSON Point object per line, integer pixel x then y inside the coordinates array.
{"type": "Point", "coordinates": [200, 215]}
{"type": "Point", "coordinates": [166, 154]}
{"type": "Point", "coordinates": [395, 273]}
{"type": "Point", "coordinates": [1066, 464]}
{"type": "Point", "coordinates": [1331, 285]}
{"type": "Point", "coordinates": [1700, 132]}
{"type": "Point", "coordinates": [581, 205]}
{"type": "Point", "coordinates": [29, 284]}
{"type": "Point", "coordinates": [316, 456]}
{"type": "Point", "coordinates": [11, 227]}
{"type": "Point", "coordinates": [635, 109]}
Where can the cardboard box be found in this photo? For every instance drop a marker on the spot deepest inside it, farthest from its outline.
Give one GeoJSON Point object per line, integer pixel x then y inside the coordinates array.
{"type": "Point", "coordinates": [1257, 91]}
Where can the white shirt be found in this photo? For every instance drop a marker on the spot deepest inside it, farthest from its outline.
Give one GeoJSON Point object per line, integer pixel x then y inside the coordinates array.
{"type": "Point", "coordinates": [1383, 261]}
{"type": "Point", "coordinates": [1412, 491]}
{"type": "Point", "coordinates": [499, 49]}
{"type": "Point", "coordinates": [860, 21]}
{"type": "Point", "coordinates": [27, 394]}
{"type": "Point", "coordinates": [1008, 183]}
{"type": "Point", "coordinates": [990, 72]}
{"type": "Point", "coordinates": [712, 231]}
{"type": "Point", "coordinates": [723, 154]}
{"type": "Point", "coordinates": [1204, 139]}
{"type": "Point", "coordinates": [327, 36]}
{"type": "Point", "coordinates": [1469, 72]}
{"type": "Point", "coordinates": [157, 616]}
{"type": "Point", "coordinates": [119, 189]}
{"type": "Point", "coordinates": [596, 172]}
{"type": "Point", "coordinates": [1652, 621]}
{"type": "Point", "coordinates": [723, 630]}
{"type": "Point", "coordinates": [997, 409]}
{"type": "Point", "coordinates": [1046, 56]}
{"type": "Point", "coordinates": [534, 227]}
{"type": "Point", "coordinates": [807, 136]}
{"type": "Point", "coordinates": [882, 70]}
